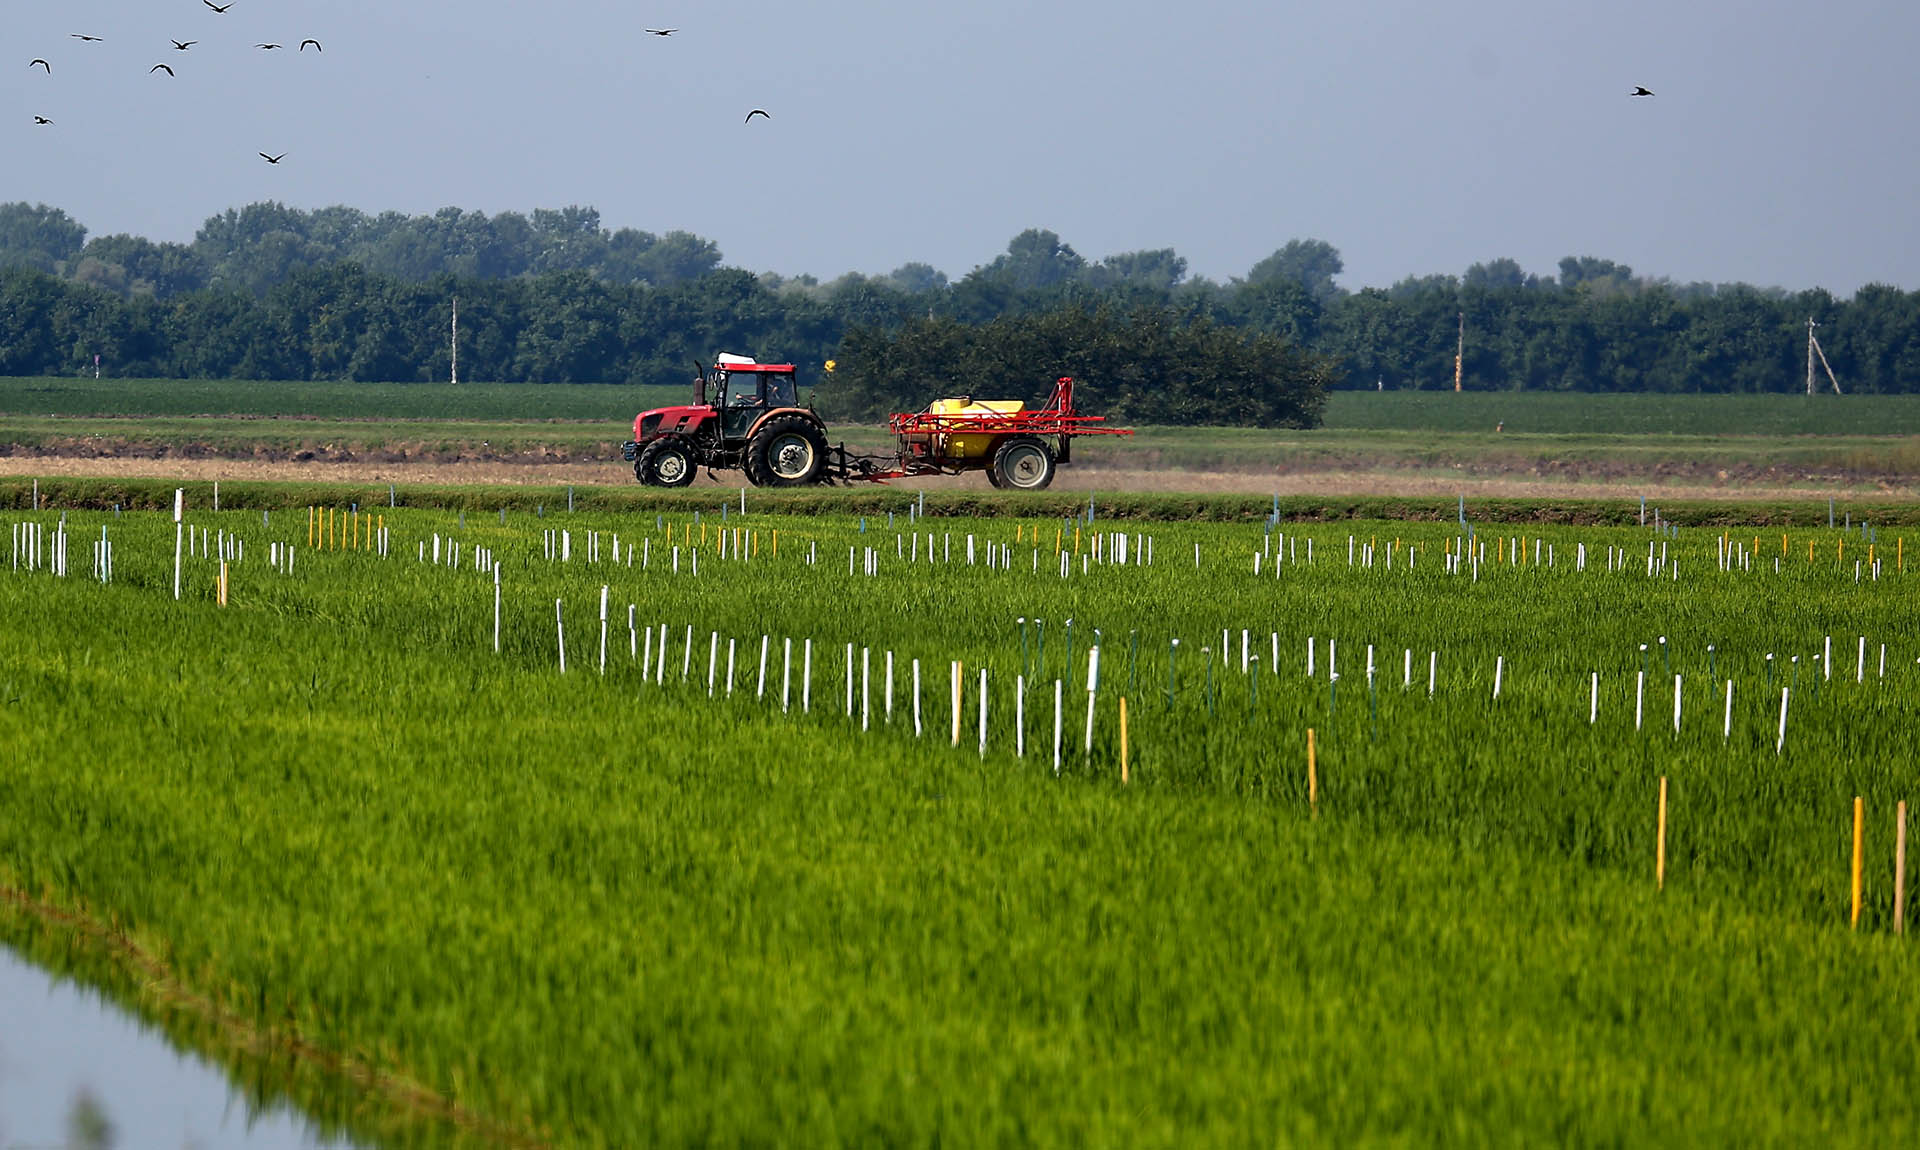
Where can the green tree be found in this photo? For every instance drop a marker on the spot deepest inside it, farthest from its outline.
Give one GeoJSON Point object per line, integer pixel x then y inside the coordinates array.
{"type": "Point", "coordinates": [1036, 258]}
{"type": "Point", "coordinates": [38, 237]}
{"type": "Point", "coordinates": [1313, 264]}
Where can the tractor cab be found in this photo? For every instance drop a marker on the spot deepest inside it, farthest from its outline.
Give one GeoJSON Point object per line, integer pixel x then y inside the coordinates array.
{"type": "Point", "coordinates": [748, 390]}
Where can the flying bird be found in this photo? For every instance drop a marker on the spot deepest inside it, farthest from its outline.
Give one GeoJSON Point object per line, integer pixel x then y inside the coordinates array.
{"type": "Point", "coordinates": [661, 31]}
{"type": "Point", "coordinates": [181, 46]}
{"type": "Point", "coordinates": [43, 64]}
{"type": "Point", "coordinates": [216, 7]}
{"type": "Point", "coordinates": [315, 43]}
{"type": "Point", "coordinates": [84, 36]}
{"type": "Point", "coordinates": [159, 68]}
{"type": "Point", "coordinates": [757, 112]}
{"type": "Point", "coordinates": [41, 120]}
{"type": "Point", "coordinates": [273, 159]}
{"type": "Point", "coordinates": [1639, 91]}
{"type": "Point", "coordinates": [266, 47]}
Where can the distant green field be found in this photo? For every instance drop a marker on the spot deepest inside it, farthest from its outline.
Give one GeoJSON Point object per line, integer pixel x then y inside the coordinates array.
{"type": "Point", "coordinates": [435, 401]}
{"type": "Point", "coordinates": [1521, 412]}
{"type": "Point", "coordinates": [1556, 413]}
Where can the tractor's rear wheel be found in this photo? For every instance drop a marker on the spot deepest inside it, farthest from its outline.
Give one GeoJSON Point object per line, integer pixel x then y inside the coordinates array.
{"type": "Point", "coordinates": [1024, 464]}
{"type": "Point", "coordinates": [666, 463]}
{"type": "Point", "coordinates": [787, 451]}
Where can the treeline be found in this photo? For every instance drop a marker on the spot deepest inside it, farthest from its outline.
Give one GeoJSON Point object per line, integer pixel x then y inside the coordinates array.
{"type": "Point", "coordinates": [254, 248]}
{"type": "Point", "coordinates": [273, 293]}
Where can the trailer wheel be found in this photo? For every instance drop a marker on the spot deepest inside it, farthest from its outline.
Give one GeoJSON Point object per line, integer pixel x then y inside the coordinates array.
{"type": "Point", "coordinates": [789, 451]}
{"type": "Point", "coordinates": [666, 463]}
{"type": "Point", "coordinates": [1024, 464]}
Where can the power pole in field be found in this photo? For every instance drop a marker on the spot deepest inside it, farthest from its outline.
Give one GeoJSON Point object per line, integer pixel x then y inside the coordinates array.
{"type": "Point", "coordinates": [456, 339]}
{"type": "Point", "coordinates": [1813, 349]}
{"type": "Point", "coordinates": [1460, 353]}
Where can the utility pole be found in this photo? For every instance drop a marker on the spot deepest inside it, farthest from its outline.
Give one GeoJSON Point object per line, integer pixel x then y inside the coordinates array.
{"type": "Point", "coordinates": [1813, 349]}
{"type": "Point", "coordinates": [1460, 352]}
{"type": "Point", "coordinates": [456, 339]}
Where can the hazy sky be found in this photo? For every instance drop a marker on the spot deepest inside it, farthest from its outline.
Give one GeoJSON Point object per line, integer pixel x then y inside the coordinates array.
{"type": "Point", "coordinates": [1415, 136]}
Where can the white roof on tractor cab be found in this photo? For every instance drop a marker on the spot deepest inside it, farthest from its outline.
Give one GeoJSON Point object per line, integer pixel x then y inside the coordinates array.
{"type": "Point", "coordinates": [725, 359]}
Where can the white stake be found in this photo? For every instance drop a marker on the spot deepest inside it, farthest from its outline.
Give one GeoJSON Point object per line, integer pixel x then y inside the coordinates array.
{"type": "Point", "coordinates": [786, 673]}
{"type": "Point", "coordinates": [603, 629]}
{"type": "Point", "coordinates": [1056, 726]}
{"type": "Point", "coordinates": [1676, 703]}
{"type": "Point", "coordinates": [760, 691]}
{"type": "Point", "coordinates": [983, 712]}
{"type": "Point", "coordinates": [806, 679]}
{"type": "Point", "coordinates": [1639, 696]}
{"type": "Point", "coordinates": [1499, 666]}
{"type": "Point", "coordinates": [179, 510]}
{"type": "Point", "coordinates": [730, 642]}
{"type": "Point", "coordinates": [1019, 717]}
{"type": "Point", "coordinates": [866, 679]}
{"type": "Point", "coordinates": [1726, 724]}
{"type": "Point", "coordinates": [916, 684]}
{"type": "Point", "coordinates": [1781, 743]}
{"type": "Point", "coordinates": [1593, 701]}
{"type": "Point", "coordinates": [496, 602]}
{"type": "Point", "coordinates": [560, 628]}
{"type": "Point", "coordinates": [1433, 667]}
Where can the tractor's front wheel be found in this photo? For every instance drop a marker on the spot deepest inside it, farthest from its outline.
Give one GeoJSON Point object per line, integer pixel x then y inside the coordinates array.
{"type": "Point", "coordinates": [1024, 464]}
{"type": "Point", "coordinates": [666, 463]}
{"type": "Point", "coordinates": [788, 451]}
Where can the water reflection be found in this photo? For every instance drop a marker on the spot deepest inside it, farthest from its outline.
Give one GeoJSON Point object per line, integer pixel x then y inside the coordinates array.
{"type": "Point", "coordinates": [78, 1074]}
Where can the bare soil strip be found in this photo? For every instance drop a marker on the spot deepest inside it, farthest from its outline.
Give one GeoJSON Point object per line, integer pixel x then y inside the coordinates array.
{"type": "Point", "coordinates": [1359, 482]}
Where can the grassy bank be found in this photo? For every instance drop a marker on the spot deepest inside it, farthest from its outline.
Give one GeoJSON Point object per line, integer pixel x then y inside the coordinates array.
{"type": "Point", "coordinates": [157, 494]}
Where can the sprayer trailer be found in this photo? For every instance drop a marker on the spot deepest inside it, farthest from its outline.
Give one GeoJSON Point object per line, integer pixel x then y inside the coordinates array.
{"type": "Point", "coordinates": [755, 424]}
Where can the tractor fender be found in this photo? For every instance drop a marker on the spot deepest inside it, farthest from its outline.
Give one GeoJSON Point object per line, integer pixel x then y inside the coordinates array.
{"type": "Point", "coordinates": [808, 413]}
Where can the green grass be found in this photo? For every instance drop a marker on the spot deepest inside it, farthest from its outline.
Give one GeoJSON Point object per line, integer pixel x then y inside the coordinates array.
{"type": "Point", "coordinates": [628, 499]}
{"type": "Point", "coordinates": [616, 912]}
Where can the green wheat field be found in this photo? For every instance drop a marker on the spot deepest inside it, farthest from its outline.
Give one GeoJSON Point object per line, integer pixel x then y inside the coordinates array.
{"type": "Point", "coordinates": [364, 839]}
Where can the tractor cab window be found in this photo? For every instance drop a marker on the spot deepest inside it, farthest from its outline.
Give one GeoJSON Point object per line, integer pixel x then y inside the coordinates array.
{"type": "Point", "coordinates": [780, 391]}
{"type": "Point", "coordinates": [743, 397]}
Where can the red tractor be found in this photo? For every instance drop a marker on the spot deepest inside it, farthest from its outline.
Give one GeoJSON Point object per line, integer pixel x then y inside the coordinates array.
{"type": "Point", "coordinates": [746, 417]}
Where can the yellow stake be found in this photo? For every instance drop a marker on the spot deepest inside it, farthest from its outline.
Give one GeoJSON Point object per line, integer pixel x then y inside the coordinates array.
{"type": "Point", "coordinates": [309, 526]}
{"type": "Point", "coordinates": [776, 545]}
{"type": "Point", "coordinates": [1123, 741]}
{"type": "Point", "coordinates": [1859, 843]}
{"type": "Point", "coordinates": [1313, 776]}
{"type": "Point", "coordinates": [1660, 844]}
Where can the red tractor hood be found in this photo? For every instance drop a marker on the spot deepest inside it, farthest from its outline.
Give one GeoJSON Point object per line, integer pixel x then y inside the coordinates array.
{"type": "Point", "coordinates": [669, 419]}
